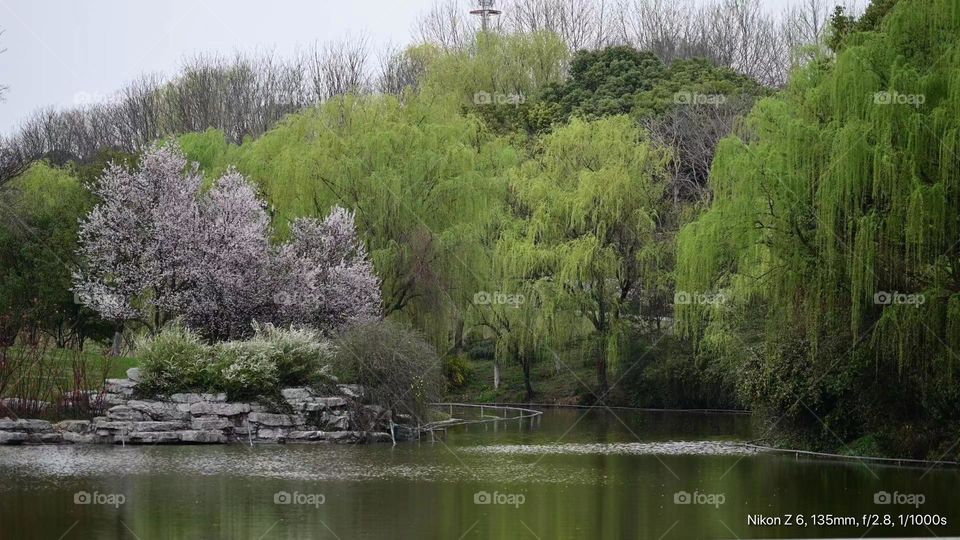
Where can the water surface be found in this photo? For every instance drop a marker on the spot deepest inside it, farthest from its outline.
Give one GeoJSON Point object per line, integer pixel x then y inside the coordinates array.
{"type": "Point", "coordinates": [568, 474]}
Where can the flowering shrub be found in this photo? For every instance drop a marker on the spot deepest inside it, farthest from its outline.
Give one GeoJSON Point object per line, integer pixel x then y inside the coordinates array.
{"type": "Point", "coordinates": [176, 359]}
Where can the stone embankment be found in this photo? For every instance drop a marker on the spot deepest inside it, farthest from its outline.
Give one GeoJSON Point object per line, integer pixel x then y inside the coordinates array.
{"type": "Point", "coordinates": [194, 418]}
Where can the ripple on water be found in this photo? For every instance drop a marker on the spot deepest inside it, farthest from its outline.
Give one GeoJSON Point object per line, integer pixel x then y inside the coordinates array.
{"type": "Point", "coordinates": [673, 448]}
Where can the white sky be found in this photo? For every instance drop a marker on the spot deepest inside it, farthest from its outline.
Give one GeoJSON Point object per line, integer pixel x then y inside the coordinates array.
{"type": "Point", "coordinates": [62, 51]}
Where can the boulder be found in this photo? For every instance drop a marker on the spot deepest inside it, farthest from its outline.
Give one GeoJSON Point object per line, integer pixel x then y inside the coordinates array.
{"type": "Point", "coordinates": [207, 423]}
{"type": "Point", "coordinates": [272, 434]}
{"type": "Point", "coordinates": [275, 420]}
{"type": "Point", "coordinates": [134, 374]}
{"type": "Point", "coordinates": [45, 438]}
{"type": "Point", "coordinates": [186, 398]}
{"type": "Point", "coordinates": [332, 402]}
{"type": "Point", "coordinates": [153, 437]}
{"type": "Point", "coordinates": [202, 437]}
{"type": "Point", "coordinates": [13, 437]}
{"type": "Point", "coordinates": [73, 426]}
{"type": "Point", "coordinates": [159, 426]}
{"type": "Point", "coordinates": [351, 390]}
{"type": "Point", "coordinates": [335, 422]}
{"type": "Point", "coordinates": [160, 411]}
{"type": "Point", "coordinates": [78, 438]}
{"type": "Point", "coordinates": [123, 413]}
{"type": "Point", "coordinates": [220, 409]}
{"type": "Point", "coordinates": [120, 386]}
{"type": "Point", "coordinates": [299, 393]}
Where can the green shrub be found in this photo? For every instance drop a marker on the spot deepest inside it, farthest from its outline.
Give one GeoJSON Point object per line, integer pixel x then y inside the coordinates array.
{"type": "Point", "coordinates": [457, 371]}
{"type": "Point", "coordinates": [398, 369]}
{"type": "Point", "coordinates": [173, 361]}
{"type": "Point", "coordinates": [177, 360]}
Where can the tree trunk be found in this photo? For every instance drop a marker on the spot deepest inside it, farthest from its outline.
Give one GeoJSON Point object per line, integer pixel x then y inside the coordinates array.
{"type": "Point", "coordinates": [496, 374]}
{"type": "Point", "coordinates": [115, 349]}
{"type": "Point", "coordinates": [602, 384]}
{"type": "Point", "coordinates": [526, 380]}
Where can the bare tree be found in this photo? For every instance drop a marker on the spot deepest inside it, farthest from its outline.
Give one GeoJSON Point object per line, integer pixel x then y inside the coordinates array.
{"type": "Point", "coordinates": [448, 24]}
{"type": "Point", "coordinates": [3, 88]}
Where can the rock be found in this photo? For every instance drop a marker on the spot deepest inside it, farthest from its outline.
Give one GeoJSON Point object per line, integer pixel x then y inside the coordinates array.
{"type": "Point", "coordinates": [332, 402]}
{"type": "Point", "coordinates": [77, 438]}
{"type": "Point", "coordinates": [305, 436]}
{"type": "Point", "coordinates": [111, 399]}
{"type": "Point", "coordinates": [73, 426]}
{"type": "Point", "coordinates": [219, 397]}
{"type": "Point", "coordinates": [32, 426]}
{"type": "Point", "coordinates": [344, 436]}
{"type": "Point", "coordinates": [12, 437]}
{"type": "Point", "coordinates": [101, 424]}
{"type": "Point", "coordinates": [45, 438]}
{"type": "Point", "coordinates": [220, 409]}
{"type": "Point", "coordinates": [159, 426]}
{"type": "Point", "coordinates": [120, 386]}
{"type": "Point", "coordinates": [124, 413]}
{"type": "Point", "coordinates": [275, 420]}
{"type": "Point", "coordinates": [202, 437]}
{"type": "Point", "coordinates": [6, 423]}
{"type": "Point", "coordinates": [298, 393]}
{"type": "Point", "coordinates": [207, 423]}
{"type": "Point", "coordinates": [186, 398]}
{"type": "Point", "coordinates": [378, 437]}
{"type": "Point", "coordinates": [134, 374]}
{"type": "Point", "coordinates": [272, 434]}
{"type": "Point", "coordinates": [351, 390]}
{"type": "Point", "coordinates": [335, 422]}
{"type": "Point", "coordinates": [153, 437]}
{"type": "Point", "coordinates": [159, 410]}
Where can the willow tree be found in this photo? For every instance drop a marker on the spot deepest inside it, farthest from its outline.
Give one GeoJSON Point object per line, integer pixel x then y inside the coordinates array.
{"type": "Point", "coordinates": [833, 232]}
{"type": "Point", "coordinates": [591, 196]}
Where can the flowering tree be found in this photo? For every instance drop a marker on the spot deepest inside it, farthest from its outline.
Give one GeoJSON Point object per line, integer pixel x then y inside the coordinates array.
{"type": "Point", "coordinates": [156, 247]}
{"type": "Point", "coordinates": [234, 254]}
{"type": "Point", "coordinates": [327, 279]}
{"type": "Point", "coordinates": [139, 245]}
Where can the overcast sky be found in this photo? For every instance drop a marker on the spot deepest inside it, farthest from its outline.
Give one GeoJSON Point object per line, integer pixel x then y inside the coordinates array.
{"type": "Point", "coordinates": [63, 51]}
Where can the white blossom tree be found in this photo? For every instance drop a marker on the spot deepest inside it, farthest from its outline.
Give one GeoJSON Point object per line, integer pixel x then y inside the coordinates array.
{"type": "Point", "coordinates": [327, 279]}
{"type": "Point", "coordinates": [157, 247]}
{"type": "Point", "coordinates": [139, 244]}
{"type": "Point", "coordinates": [234, 286]}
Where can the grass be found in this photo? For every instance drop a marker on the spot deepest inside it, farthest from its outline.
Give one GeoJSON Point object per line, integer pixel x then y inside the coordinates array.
{"type": "Point", "coordinates": [57, 365]}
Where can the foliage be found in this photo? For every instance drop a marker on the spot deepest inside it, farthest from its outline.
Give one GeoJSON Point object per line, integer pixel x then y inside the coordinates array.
{"type": "Point", "coordinates": [835, 216]}
{"type": "Point", "coordinates": [397, 369]}
{"type": "Point", "coordinates": [37, 238]}
{"type": "Point", "coordinates": [178, 360]}
{"type": "Point", "coordinates": [175, 360]}
{"type": "Point", "coordinates": [591, 198]}
{"type": "Point", "coordinates": [624, 80]}
{"type": "Point", "coordinates": [457, 371]}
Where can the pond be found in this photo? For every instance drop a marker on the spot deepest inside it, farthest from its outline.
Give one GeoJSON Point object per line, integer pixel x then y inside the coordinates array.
{"type": "Point", "coordinates": [566, 474]}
